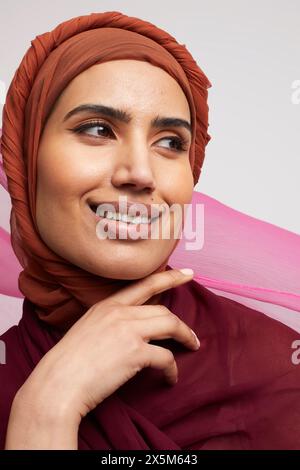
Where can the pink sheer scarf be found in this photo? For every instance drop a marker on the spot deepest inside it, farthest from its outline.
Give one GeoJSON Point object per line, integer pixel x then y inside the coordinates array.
{"type": "Point", "coordinates": [234, 255]}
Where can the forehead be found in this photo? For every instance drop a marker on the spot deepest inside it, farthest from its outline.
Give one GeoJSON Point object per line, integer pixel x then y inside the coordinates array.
{"type": "Point", "coordinates": [133, 84]}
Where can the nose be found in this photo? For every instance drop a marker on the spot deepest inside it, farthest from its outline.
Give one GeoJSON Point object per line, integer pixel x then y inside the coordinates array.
{"type": "Point", "coordinates": [133, 167]}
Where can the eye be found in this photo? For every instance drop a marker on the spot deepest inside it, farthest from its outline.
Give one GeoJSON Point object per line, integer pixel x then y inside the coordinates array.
{"type": "Point", "coordinates": [94, 124]}
{"type": "Point", "coordinates": [181, 145]}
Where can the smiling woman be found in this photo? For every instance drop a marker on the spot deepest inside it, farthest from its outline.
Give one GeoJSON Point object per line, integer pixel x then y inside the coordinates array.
{"type": "Point", "coordinates": [107, 353]}
{"type": "Point", "coordinates": [124, 147]}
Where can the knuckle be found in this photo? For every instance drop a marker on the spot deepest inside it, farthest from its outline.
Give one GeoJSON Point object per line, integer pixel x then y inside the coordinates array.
{"type": "Point", "coordinates": [173, 274]}
{"type": "Point", "coordinates": [128, 336]}
{"type": "Point", "coordinates": [164, 309]}
{"type": "Point", "coordinates": [113, 308]}
{"type": "Point", "coordinates": [121, 327]}
{"type": "Point", "coordinates": [136, 344]}
{"type": "Point", "coordinates": [137, 352]}
{"type": "Point", "coordinates": [149, 282]}
{"type": "Point", "coordinates": [169, 357]}
{"type": "Point", "coordinates": [174, 321]}
{"type": "Point", "coordinates": [105, 309]}
{"type": "Point", "coordinates": [143, 358]}
{"type": "Point", "coordinates": [116, 313]}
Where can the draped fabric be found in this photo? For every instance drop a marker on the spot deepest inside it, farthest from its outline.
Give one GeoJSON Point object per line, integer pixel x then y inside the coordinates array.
{"type": "Point", "coordinates": [240, 390]}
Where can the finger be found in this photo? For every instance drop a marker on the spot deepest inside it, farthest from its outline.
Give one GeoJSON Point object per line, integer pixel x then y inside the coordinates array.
{"type": "Point", "coordinates": [167, 327]}
{"type": "Point", "coordinates": [140, 312]}
{"type": "Point", "coordinates": [162, 359]}
{"type": "Point", "coordinates": [140, 291]}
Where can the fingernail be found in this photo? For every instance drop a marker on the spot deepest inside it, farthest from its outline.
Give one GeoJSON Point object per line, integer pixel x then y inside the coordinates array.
{"type": "Point", "coordinates": [187, 271]}
{"type": "Point", "coordinates": [196, 337]}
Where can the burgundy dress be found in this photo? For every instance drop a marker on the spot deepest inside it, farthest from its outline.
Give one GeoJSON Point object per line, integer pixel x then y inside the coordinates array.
{"type": "Point", "coordinates": [240, 390]}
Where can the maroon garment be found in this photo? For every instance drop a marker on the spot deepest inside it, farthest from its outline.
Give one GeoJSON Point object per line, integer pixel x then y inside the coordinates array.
{"type": "Point", "coordinates": [240, 390]}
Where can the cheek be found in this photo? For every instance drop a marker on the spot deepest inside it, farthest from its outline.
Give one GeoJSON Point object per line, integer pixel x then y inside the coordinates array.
{"type": "Point", "coordinates": [179, 185]}
{"type": "Point", "coordinates": [68, 170]}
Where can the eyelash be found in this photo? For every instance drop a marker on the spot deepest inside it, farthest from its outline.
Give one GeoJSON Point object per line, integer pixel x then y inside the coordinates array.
{"type": "Point", "coordinates": [181, 142]}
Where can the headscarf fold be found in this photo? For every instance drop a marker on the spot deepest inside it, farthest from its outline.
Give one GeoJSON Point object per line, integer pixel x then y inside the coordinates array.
{"type": "Point", "coordinates": [61, 291]}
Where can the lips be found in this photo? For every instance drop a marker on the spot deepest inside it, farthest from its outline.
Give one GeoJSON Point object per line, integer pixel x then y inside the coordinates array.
{"type": "Point", "coordinates": [118, 229]}
{"type": "Point", "coordinates": [128, 208]}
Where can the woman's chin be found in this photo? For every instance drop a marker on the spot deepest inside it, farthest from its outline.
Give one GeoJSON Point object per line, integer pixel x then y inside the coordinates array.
{"type": "Point", "coordinates": [121, 270]}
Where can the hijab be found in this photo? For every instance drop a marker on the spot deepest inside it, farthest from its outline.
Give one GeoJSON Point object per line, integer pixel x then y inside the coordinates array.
{"type": "Point", "coordinates": [61, 291]}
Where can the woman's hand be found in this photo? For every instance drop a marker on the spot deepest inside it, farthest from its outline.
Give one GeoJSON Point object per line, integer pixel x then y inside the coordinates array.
{"type": "Point", "coordinates": [105, 348]}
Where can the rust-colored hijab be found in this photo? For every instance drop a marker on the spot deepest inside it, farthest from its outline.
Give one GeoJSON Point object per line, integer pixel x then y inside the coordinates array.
{"type": "Point", "coordinates": [61, 291]}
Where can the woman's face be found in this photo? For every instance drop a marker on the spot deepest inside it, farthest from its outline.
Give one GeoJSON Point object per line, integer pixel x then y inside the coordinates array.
{"type": "Point", "coordinates": [116, 155]}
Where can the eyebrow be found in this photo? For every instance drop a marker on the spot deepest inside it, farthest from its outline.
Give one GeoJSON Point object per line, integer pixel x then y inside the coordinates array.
{"type": "Point", "coordinates": [123, 116]}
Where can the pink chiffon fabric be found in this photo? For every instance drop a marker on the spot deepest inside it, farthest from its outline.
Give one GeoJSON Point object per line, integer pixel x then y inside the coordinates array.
{"type": "Point", "coordinates": [237, 256]}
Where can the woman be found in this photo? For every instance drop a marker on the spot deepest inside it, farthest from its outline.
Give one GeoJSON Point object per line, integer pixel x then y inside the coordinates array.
{"type": "Point", "coordinates": [105, 355]}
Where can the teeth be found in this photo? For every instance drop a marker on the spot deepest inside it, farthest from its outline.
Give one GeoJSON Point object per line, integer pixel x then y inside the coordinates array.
{"type": "Point", "coordinates": [123, 217]}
